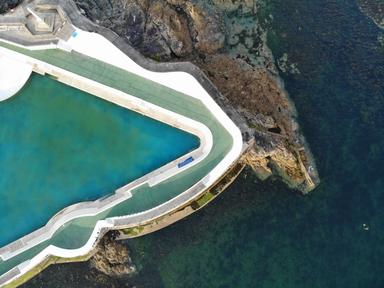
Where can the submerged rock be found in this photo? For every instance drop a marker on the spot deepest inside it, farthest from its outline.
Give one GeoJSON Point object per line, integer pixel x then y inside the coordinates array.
{"type": "Point", "coordinates": [250, 89]}
{"type": "Point", "coordinates": [374, 9]}
{"type": "Point", "coordinates": [233, 5]}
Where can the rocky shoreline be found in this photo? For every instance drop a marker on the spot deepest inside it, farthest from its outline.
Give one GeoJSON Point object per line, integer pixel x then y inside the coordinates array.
{"type": "Point", "coordinates": [234, 57]}
{"type": "Point", "coordinates": [226, 42]}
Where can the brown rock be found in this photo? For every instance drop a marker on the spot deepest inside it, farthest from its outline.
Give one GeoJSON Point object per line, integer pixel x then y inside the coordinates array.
{"type": "Point", "coordinates": [166, 33]}
{"type": "Point", "coordinates": [208, 30]}
{"type": "Point", "coordinates": [272, 154]}
{"type": "Point", "coordinates": [144, 4]}
{"type": "Point", "coordinates": [252, 90]}
{"type": "Point", "coordinates": [258, 96]}
{"type": "Point", "coordinates": [172, 27]}
{"type": "Point", "coordinates": [112, 258]}
{"type": "Point", "coordinates": [176, 2]}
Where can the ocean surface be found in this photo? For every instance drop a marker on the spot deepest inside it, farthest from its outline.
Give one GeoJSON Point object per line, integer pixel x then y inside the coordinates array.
{"type": "Point", "coordinates": [261, 234]}
{"type": "Point", "coordinates": [60, 146]}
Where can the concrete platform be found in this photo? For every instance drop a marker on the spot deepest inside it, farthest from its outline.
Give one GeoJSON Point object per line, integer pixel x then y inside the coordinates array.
{"type": "Point", "coordinates": [13, 76]}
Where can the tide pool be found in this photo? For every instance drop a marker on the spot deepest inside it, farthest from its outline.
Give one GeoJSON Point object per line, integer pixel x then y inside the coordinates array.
{"type": "Point", "coordinates": [60, 146]}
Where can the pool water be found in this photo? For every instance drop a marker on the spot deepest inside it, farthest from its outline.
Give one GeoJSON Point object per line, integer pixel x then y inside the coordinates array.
{"type": "Point", "coordinates": [60, 146]}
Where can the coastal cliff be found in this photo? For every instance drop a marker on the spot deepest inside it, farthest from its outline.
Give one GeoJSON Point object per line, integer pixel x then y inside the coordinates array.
{"type": "Point", "coordinates": [224, 39]}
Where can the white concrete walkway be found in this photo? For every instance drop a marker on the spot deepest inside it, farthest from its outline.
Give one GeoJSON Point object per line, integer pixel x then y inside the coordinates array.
{"type": "Point", "coordinates": [13, 76]}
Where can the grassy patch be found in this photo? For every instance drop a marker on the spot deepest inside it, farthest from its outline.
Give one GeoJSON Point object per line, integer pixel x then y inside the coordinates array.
{"type": "Point", "coordinates": [134, 231]}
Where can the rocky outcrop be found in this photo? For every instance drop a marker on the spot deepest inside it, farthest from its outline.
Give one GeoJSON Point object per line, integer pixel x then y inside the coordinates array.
{"type": "Point", "coordinates": [232, 52]}
{"type": "Point", "coordinates": [233, 5]}
{"type": "Point", "coordinates": [6, 5]}
{"type": "Point", "coordinates": [167, 28]}
{"type": "Point", "coordinates": [257, 94]}
{"type": "Point", "coordinates": [253, 91]}
{"type": "Point", "coordinates": [126, 18]}
{"type": "Point", "coordinates": [112, 258]}
{"type": "Point", "coordinates": [207, 29]}
{"type": "Point", "coordinates": [160, 29]}
{"type": "Point", "coordinates": [206, 25]}
{"type": "Point", "coordinates": [271, 154]}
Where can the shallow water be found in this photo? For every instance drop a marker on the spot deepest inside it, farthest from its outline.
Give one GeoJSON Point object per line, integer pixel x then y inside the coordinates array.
{"type": "Point", "coordinates": [261, 234]}
{"type": "Point", "coordinates": [60, 146]}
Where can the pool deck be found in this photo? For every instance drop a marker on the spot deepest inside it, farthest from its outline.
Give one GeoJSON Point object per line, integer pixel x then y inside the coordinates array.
{"type": "Point", "coordinates": [127, 101]}
{"type": "Point", "coordinates": [13, 76]}
{"type": "Point", "coordinates": [175, 98]}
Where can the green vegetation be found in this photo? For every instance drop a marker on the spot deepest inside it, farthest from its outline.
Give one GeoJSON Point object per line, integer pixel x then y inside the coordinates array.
{"type": "Point", "coordinates": [205, 199]}
{"type": "Point", "coordinates": [133, 231]}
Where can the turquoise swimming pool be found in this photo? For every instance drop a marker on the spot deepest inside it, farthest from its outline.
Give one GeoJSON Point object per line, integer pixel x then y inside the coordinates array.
{"type": "Point", "coordinates": [60, 146]}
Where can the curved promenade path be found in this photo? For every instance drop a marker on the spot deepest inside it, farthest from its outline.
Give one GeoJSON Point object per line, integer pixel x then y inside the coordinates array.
{"type": "Point", "coordinates": [91, 63]}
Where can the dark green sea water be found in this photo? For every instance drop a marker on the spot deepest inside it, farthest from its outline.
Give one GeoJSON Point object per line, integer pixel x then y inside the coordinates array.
{"type": "Point", "coordinates": [261, 234]}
